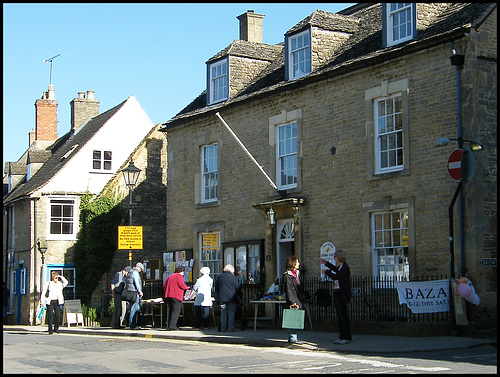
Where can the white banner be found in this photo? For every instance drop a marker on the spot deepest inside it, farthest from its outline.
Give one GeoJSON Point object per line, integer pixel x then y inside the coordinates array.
{"type": "Point", "coordinates": [425, 296]}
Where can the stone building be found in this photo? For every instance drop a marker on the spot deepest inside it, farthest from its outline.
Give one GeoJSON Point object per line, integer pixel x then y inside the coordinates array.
{"type": "Point", "coordinates": [343, 116]}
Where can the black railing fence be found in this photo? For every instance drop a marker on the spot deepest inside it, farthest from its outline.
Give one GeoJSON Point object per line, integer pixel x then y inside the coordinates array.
{"type": "Point", "coordinates": [373, 299]}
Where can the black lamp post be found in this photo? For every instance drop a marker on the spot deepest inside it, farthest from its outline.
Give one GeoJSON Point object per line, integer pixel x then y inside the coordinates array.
{"type": "Point", "coordinates": [42, 248]}
{"type": "Point", "coordinates": [131, 175]}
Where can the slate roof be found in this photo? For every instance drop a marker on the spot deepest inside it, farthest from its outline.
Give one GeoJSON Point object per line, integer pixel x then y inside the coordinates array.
{"type": "Point", "coordinates": [364, 46]}
{"type": "Point", "coordinates": [57, 150]}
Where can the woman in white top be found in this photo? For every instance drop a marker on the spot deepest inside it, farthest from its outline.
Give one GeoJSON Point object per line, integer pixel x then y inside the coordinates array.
{"type": "Point", "coordinates": [52, 297]}
{"type": "Point", "coordinates": [203, 299]}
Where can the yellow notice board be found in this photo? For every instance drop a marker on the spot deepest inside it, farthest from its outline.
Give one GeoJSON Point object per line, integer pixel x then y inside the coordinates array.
{"type": "Point", "coordinates": [130, 237]}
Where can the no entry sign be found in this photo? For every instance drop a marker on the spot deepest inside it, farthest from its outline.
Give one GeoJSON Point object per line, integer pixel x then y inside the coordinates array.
{"type": "Point", "coordinates": [455, 164]}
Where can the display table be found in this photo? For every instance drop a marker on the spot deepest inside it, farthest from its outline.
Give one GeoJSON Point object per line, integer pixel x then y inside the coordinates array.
{"type": "Point", "coordinates": [151, 303]}
{"type": "Point", "coordinates": [273, 303]}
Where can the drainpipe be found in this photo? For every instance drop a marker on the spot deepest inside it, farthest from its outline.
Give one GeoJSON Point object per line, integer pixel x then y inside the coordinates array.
{"type": "Point", "coordinates": [35, 287]}
{"type": "Point", "coordinates": [458, 61]}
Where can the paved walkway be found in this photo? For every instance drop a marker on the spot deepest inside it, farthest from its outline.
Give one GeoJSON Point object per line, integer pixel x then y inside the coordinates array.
{"type": "Point", "coordinates": [311, 340]}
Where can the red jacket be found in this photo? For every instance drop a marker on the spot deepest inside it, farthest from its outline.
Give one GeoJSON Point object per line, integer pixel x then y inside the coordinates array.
{"type": "Point", "coordinates": [174, 286]}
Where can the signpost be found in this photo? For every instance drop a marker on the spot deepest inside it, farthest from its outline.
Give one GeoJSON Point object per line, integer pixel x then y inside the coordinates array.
{"type": "Point", "coordinates": [455, 164]}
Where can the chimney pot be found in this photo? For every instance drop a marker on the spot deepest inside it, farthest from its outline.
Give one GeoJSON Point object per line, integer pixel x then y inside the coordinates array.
{"type": "Point", "coordinates": [90, 94]}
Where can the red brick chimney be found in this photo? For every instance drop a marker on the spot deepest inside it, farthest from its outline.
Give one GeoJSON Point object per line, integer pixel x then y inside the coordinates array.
{"type": "Point", "coordinates": [46, 116]}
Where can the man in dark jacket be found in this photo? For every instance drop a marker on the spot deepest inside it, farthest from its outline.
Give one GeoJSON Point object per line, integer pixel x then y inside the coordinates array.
{"type": "Point", "coordinates": [227, 288]}
{"type": "Point", "coordinates": [341, 296]}
{"type": "Point", "coordinates": [117, 286]}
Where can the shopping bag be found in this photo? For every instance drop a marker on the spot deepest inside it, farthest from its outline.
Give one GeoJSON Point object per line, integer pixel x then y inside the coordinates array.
{"type": "Point", "coordinates": [293, 319]}
{"type": "Point", "coordinates": [40, 313]}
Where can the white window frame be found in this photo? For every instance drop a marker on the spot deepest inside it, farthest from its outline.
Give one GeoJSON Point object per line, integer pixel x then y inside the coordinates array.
{"type": "Point", "coordinates": [395, 23]}
{"type": "Point", "coordinates": [389, 135]}
{"type": "Point", "coordinates": [209, 172]}
{"type": "Point", "coordinates": [390, 232]}
{"type": "Point", "coordinates": [211, 255]}
{"type": "Point", "coordinates": [71, 219]}
{"type": "Point", "coordinates": [286, 152]}
{"type": "Point", "coordinates": [105, 164]}
{"type": "Point", "coordinates": [218, 81]}
{"type": "Point", "coordinates": [299, 56]}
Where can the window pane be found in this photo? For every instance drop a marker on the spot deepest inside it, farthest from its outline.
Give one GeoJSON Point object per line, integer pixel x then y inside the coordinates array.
{"type": "Point", "coordinates": [210, 172]}
{"type": "Point", "coordinates": [390, 252]}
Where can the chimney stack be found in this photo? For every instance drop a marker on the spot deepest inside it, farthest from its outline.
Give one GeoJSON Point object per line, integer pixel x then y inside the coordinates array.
{"type": "Point", "coordinates": [46, 117]}
{"type": "Point", "coordinates": [251, 26]}
{"type": "Point", "coordinates": [82, 109]}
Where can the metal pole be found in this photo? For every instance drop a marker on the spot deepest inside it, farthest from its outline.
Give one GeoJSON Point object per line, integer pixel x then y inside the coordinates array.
{"type": "Point", "coordinates": [450, 218]}
{"type": "Point", "coordinates": [273, 185]}
{"type": "Point", "coordinates": [130, 207]}
{"type": "Point", "coordinates": [130, 219]}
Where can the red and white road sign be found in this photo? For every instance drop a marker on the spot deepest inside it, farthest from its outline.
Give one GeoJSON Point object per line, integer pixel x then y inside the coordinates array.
{"type": "Point", "coordinates": [455, 164]}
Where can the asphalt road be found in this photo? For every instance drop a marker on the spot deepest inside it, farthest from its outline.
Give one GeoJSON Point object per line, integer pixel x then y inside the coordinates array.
{"type": "Point", "coordinates": [37, 353]}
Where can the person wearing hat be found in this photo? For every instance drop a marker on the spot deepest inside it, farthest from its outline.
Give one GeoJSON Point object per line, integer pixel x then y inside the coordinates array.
{"type": "Point", "coordinates": [133, 294]}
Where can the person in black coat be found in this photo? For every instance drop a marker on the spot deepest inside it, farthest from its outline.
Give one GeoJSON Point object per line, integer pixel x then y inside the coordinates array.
{"type": "Point", "coordinates": [342, 295]}
{"type": "Point", "coordinates": [291, 284]}
{"type": "Point", "coordinates": [227, 288]}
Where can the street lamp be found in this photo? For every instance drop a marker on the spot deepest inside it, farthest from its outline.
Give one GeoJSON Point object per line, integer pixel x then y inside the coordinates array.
{"type": "Point", "coordinates": [131, 175]}
{"type": "Point", "coordinates": [271, 216]}
{"type": "Point", "coordinates": [474, 145]}
{"type": "Point", "coordinates": [42, 248]}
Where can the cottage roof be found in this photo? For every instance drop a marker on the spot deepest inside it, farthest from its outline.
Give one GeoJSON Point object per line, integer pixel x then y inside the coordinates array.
{"type": "Point", "coordinates": [365, 45]}
{"type": "Point", "coordinates": [61, 151]}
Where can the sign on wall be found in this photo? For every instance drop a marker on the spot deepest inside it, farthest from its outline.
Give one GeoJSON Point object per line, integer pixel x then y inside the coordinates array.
{"type": "Point", "coordinates": [326, 252]}
{"type": "Point", "coordinates": [130, 237]}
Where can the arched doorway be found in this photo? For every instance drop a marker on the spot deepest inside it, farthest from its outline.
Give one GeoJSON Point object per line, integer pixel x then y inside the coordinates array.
{"type": "Point", "coordinates": [285, 243]}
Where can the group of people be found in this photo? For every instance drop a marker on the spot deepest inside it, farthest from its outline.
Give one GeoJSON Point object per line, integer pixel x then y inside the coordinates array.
{"type": "Point", "coordinates": [126, 286]}
{"type": "Point", "coordinates": [340, 272]}
{"type": "Point", "coordinates": [227, 289]}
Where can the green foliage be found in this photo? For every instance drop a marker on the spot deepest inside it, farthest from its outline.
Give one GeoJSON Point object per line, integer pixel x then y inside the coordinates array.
{"type": "Point", "coordinates": [89, 314]}
{"type": "Point", "coordinates": [97, 239]}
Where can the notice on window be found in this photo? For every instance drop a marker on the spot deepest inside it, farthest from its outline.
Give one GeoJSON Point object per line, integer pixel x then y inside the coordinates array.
{"type": "Point", "coordinates": [130, 237]}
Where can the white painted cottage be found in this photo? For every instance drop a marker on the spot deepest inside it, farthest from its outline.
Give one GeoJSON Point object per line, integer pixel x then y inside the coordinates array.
{"type": "Point", "coordinates": [42, 190]}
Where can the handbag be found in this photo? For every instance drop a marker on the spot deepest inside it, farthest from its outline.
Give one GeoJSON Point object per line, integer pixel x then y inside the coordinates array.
{"type": "Point", "coordinates": [293, 319]}
{"type": "Point", "coordinates": [40, 313]}
{"type": "Point", "coordinates": [119, 288]}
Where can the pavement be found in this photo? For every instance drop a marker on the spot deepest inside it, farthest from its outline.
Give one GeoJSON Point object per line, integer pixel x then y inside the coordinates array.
{"type": "Point", "coordinates": [265, 337]}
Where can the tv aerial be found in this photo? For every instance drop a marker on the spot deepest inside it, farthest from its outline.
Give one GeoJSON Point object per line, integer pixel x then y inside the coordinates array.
{"type": "Point", "coordinates": [50, 61]}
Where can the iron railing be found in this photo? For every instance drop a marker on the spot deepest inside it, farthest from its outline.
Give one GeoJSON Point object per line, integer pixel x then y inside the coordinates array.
{"type": "Point", "coordinates": [373, 299]}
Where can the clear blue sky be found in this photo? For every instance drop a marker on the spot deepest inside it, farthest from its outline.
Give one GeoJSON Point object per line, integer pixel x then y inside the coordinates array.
{"type": "Point", "coordinates": [156, 52]}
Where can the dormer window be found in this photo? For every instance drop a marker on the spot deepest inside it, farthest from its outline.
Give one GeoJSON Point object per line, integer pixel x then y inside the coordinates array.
{"type": "Point", "coordinates": [218, 89]}
{"type": "Point", "coordinates": [299, 55]}
{"type": "Point", "coordinates": [399, 23]}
